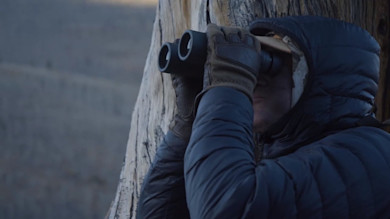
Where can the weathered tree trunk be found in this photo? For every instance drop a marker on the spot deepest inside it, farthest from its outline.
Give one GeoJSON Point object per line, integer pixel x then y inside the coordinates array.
{"type": "Point", "coordinates": [156, 100]}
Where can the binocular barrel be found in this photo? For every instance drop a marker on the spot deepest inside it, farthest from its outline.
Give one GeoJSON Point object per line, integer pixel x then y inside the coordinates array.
{"type": "Point", "coordinates": [187, 56]}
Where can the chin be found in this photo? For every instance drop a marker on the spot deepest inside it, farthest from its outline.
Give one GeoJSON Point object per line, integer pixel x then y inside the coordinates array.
{"type": "Point", "coordinates": [258, 126]}
{"type": "Point", "coordinates": [262, 121]}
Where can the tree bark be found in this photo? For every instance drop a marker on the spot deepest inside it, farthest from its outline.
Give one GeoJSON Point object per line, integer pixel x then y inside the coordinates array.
{"type": "Point", "coordinates": [155, 105]}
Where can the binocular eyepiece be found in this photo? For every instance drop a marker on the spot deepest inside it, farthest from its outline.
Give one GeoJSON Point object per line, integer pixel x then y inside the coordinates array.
{"type": "Point", "coordinates": [187, 56]}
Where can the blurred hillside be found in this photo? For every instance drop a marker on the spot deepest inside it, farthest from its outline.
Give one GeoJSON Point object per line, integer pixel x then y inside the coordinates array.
{"type": "Point", "coordinates": [69, 76]}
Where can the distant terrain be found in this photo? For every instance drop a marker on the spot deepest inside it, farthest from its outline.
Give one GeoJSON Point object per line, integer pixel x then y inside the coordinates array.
{"type": "Point", "coordinates": [69, 77]}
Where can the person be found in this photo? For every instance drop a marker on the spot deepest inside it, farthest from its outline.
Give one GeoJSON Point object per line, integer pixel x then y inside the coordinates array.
{"type": "Point", "coordinates": [322, 152]}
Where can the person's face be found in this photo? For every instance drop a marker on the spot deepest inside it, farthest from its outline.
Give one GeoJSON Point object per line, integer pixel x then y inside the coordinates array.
{"type": "Point", "coordinates": [272, 97]}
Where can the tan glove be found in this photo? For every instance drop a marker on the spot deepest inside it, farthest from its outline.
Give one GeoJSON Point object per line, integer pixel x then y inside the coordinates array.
{"type": "Point", "coordinates": [233, 59]}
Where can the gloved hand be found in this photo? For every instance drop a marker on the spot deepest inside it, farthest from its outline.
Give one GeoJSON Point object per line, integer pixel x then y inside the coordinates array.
{"type": "Point", "coordinates": [233, 59]}
{"type": "Point", "coordinates": [186, 89]}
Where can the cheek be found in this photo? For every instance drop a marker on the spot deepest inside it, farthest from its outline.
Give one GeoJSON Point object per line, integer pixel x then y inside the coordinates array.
{"type": "Point", "coordinates": [271, 108]}
{"type": "Point", "coordinates": [261, 118]}
{"type": "Point", "coordinates": [275, 103]}
{"type": "Point", "coordinates": [282, 101]}
{"type": "Point", "coordinates": [282, 94]}
{"type": "Point", "coordinates": [266, 114]}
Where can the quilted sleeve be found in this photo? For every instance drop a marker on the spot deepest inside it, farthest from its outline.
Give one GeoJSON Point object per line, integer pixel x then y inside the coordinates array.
{"type": "Point", "coordinates": [221, 177]}
{"type": "Point", "coordinates": [162, 194]}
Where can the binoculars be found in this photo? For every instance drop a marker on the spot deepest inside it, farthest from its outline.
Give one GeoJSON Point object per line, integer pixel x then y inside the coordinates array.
{"type": "Point", "coordinates": [187, 55]}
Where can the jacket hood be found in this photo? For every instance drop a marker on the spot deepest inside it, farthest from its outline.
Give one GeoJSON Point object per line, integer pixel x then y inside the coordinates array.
{"type": "Point", "coordinates": [343, 63]}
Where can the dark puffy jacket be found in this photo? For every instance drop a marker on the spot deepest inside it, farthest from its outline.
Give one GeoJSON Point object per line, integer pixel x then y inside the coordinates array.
{"type": "Point", "coordinates": [319, 161]}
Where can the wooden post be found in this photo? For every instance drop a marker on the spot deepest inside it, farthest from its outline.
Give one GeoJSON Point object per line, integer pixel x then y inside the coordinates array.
{"type": "Point", "coordinates": [156, 100]}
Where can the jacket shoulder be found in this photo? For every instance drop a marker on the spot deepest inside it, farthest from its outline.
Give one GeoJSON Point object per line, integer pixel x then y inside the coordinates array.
{"type": "Point", "coordinates": [344, 174]}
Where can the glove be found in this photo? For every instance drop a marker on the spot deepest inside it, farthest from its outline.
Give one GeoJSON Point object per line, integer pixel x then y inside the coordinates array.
{"type": "Point", "coordinates": [233, 59]}
{"type": "Point", "coordinates": [186, 89]}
